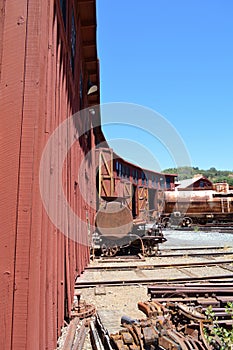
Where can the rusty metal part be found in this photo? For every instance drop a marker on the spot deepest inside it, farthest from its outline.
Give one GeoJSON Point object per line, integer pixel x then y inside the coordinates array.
{"type": "Point", "coordinates": [196, 253]}
{"type": "Point", "coordinates": [191, 313]}
{"type": "Point", "coordinates": [88, 284]}
{"type": "Point", "coordinates": [71, 334]}
{"type": "Point", "coordinates": [114, 220]}
{"type": "Point", "coordinates": [179, 338]}
{"type": "Point", "coordinates": [203, 338]}
{"type": "Point", "coordinates": [122, 259]}
{"type": "Point", "coordinates": [126, 336]}
{"type": "Point", "coordinates": [198, 291]}
{"type": "Point", "coordinates": [95, 338]}
{"type": "Point", "coordinates": [82, 333]}
{"type": "Point", "coordinates": [140, 335]}
{"type": "Point", "coordinates": [168, 343]}
{"type": "Point", "coordinates": [109, 251]}
{"type": "Point", "coordinates": [151, 309]}
{"type": "Point", "coordinates": [82, 310]}
{"type": "Point", "coordinates": [150, 336]}
{"type": "Point", "coordinates": [150, 246]}
{"type": "Point", "coordinates": [118, 341]}
{"type": "Point", "coordinates": [186, 222]}
{"type": "Point", "coordinates": [173, 324]}
{"type": "Point", "coordinates": [133, 334]}
{"type": "Point", "coordinates": [103, 333]}
{"type": "Point", "coordinates": [166, 222]}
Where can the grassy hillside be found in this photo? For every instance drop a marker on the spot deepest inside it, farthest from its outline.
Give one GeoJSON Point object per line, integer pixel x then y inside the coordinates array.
{"type": "Point", "coordinates": [212, 174]}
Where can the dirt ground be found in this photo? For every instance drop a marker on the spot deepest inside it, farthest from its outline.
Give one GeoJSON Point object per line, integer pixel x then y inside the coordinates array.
{"type": "Point", "coordinates": [122, 299]}
{"type": "Point", "coordinates": [116, 301]}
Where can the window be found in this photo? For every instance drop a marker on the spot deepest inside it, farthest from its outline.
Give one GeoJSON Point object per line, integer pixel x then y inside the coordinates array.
{"type": "Point", "coordinates": [168, 182]}
{"type": "Point", "coordinates": [73, 42]}
{"type": "Point", "coordinates": [201, 183]}
{"type": "Point", "coordinates": [63, 11]}
{"type": "Point", "coordinates": [119, 174]}
{"type": "Point", "coordinates": [127, 172]}
{"type": "Point", "coordinates": [143, 178]}
{"type": "Point", "coordinates": [117, 168]}
{"type": "Point", "coordinates": [146, 177]}
{"type": "Point", "coordinates": [162, 183]}
{"type": "Point", "coordinates": [153, 180]}
{"type": "Point", "coordinates": [123, 170]}
{"type": "Point", "coordinates": [136, 176]}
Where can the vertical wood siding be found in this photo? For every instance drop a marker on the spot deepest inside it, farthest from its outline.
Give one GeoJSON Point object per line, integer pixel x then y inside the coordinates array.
{"type": "Point", "coordinates": [38, 263]}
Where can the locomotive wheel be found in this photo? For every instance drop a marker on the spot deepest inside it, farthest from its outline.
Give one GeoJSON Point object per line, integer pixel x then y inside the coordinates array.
{"type": "Point", "coordinates": [150, 248]}
{"type": "Point", "coordinates": [166, 222]}
{"type": "Point", "coordinates": [109, 251]}
{"type": "Point", "coordinates": [186, 222]}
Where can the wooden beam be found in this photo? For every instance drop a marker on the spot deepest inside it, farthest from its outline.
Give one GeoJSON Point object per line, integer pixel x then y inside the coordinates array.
{"type": "Point", "coordinates": [89, 43]}
{"type": "Point", "coordinates": [88, 25]}
{"type": "Point", "coordinates": [86, 1]}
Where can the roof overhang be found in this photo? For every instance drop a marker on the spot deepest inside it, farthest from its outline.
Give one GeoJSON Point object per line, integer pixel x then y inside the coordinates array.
{"type": "Point", "coordinates": [87, 12]}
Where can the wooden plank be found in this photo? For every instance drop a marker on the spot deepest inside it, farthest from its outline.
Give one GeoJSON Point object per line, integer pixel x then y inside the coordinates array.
{"type": "Point", "coordinates": [11, 99]}
{"type": "Point", "coordinates": [27, 261]}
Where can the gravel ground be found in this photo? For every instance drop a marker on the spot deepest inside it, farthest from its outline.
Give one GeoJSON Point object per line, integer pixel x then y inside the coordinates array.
{"type": "Point", "coordinates": [119, 301]}
{"type": "Point", "coordinates": [123, 299]}
{"type": "Point", "coordinates": [114, 302]}
{"type": "Point", "coordinates": [196, 238]}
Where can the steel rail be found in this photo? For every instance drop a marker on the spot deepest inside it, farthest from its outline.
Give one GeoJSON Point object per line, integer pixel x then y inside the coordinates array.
{"type": "Point", "coordinates": [196, 254]}
{"type": "Point", "coordinates": [87, 284]}
{"type": "Point", "coordinates": [80, 339]}
{"type": "Point", "coordinates": [191, 248]}
{"type": "Point", "coordinates": [154, 266]}
{"type": "Point", "coordinates": [68, 344]}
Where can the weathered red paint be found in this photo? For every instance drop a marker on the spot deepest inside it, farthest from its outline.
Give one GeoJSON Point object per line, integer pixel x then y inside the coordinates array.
{"type": "Point", "coordinates": [38, 264]}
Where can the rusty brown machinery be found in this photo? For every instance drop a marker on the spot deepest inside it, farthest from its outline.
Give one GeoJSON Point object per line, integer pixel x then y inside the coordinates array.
{"type": "Point", "coordinates": [116, 230]}
{"type": "Point", "coordinates": [176, 319]}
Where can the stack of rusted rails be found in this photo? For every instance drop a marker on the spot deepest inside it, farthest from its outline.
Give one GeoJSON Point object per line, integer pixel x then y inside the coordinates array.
{"type": "Point", "coordinates": [176, 319]}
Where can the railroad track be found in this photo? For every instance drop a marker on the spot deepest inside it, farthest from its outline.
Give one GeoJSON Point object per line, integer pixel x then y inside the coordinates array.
{"type": "Point", "coordinates": [157, 266]}
{"type": "Point", "coordinates": [177, 317]}
{"type": "Point", "coordinates": [170, 252]}
{"type": "Point", "coordinates": [185, 278]}
{"type": "Point", "coordinates": [186, 264]}
{"type": "Point", "coordinates": [222, 228]}
{"type": "Point", "coordinates": [141, 281]}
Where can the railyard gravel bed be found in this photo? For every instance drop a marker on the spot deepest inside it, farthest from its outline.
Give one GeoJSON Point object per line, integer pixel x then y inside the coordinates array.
{"type": "Point", "coordinates": [125, 298]}
{"type": "Point", "coordinates": [113, 302]}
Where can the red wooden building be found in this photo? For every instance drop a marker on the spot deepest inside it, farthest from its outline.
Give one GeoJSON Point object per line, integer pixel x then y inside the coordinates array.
{"type": "Point", "coordinates": [142, 189]}
{"type": "Point", "coordinates": [47, 57]}
{"type": "Point", "coordinates": [48, 71]}
{"type": "Point", "coordinates": [195, 183]}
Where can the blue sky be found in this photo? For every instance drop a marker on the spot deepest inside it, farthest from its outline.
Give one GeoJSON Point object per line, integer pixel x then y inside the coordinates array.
{"type": "Point", "coordinates": [175, 57]}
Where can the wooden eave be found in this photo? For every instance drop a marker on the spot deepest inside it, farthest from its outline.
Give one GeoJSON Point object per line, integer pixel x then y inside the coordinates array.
{"type": "Point", "coordinates": [87, 13]}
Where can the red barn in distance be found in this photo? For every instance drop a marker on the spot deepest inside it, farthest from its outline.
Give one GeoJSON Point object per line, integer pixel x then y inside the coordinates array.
{"type": "Point", "coordinates": [195, 183]}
